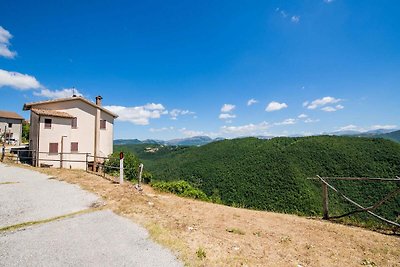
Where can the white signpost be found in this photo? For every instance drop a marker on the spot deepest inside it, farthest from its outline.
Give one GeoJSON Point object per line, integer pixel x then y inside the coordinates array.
{"type": "Point", "coordinates": [121, 168]}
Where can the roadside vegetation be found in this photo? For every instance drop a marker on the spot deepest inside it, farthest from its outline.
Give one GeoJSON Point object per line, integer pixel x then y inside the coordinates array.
{"type": "Point", "coordinates": [272, 174]}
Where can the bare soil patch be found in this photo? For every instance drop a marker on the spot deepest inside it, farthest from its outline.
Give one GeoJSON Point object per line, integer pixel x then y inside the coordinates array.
{"type": "Point", "coordinates": [206, 234]}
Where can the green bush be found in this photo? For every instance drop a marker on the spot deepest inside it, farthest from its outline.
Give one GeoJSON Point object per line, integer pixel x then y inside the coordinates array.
{"type": "Point", "coordinates": [131, 164]}
{"type": "Point", "coordinates": [181, 188]}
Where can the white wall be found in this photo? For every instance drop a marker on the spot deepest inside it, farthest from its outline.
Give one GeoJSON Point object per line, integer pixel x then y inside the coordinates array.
{"type": "Point", "coordinates": [15, 130]}
{"type": "Point", "coordinates": [84, 134]}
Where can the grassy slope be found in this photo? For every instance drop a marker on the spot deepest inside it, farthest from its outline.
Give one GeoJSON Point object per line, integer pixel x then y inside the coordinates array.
{"type": "Point", "coordinates": [271, 174]}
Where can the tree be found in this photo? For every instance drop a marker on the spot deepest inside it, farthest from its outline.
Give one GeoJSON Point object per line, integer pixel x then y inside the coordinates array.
{"type": "Point", "coordinates": [25, 131]}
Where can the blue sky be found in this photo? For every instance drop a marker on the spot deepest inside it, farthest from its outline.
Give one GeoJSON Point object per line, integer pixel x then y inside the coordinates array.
{"type": "Point", "coordinates": [181, 68]}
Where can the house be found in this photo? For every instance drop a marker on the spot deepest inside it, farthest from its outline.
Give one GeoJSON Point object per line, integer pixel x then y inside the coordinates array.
{"type": "Point", "coordinates": [68, 132]}
{"type": "Point", "coordinates": [11, 124]}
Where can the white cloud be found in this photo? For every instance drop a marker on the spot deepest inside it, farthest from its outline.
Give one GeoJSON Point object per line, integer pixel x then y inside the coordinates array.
{"type": "Point", "coordinates": [351, 127]}
{"type": "Point", "coordinates": [5, 37]}
{"type": "Point", "coordinates": [18, 80]}
{"type": "Point", "coordinates": [139, 115]}
{"type": "Point", "coordinates": [226, 116]}
{"type": "Point", "coordinates": [63, 93]}
{"type": "Point", "coordinates": [384, 127]}
{"type": "Point", "coordinates": [327, 100]}
{"type": "Point", "coordinates": [286, 122]}
{"type": "Point", "coordinates": [274, 106]}
{"type": "Point", "coordinates": [227, 108]}
{"type": "Point", "coordinates": [252, 102]}
{"type": "Point", "coordinates": [178, 112]}
{"type": "Point", "coordinates": [302, 116]}
{"type": "Point", "coordinates": [328, 1]}
{"type": "Point", "coordinates": [305, 103]}
{"type": "Point", "coordinates": [163, 129]}
{"type": "Point", "coordinates": [308, 120]}
{"type": "Point", "coordinates": [295, 19]}
{"type": "Point", "coordinates": [332, 109]}
{"type": "Point", "coordinates": [245, 130]}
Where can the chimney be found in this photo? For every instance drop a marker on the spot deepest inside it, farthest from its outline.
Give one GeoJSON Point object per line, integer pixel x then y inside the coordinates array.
{"type": "Point", "coordinates": [98, 100]}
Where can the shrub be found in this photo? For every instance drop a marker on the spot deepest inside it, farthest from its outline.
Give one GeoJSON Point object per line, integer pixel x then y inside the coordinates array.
{"type": "Point", "coordinates": [181, 188]}
{"type": "Point", "coordinates": [131, 164]}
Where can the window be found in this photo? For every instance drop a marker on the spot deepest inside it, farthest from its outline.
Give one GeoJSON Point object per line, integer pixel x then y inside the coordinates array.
{"type": "Point", "coordinates": [10, 125]}
{"type": "Point", "coordinates": [103, 124]}
{"type": "Point", "coordinates": [47, 123]}
{"type": "Point", "coordinates": [53, 148]}
{"type": "Point", "coordinates": [74, 123]}
{"type": "Point", "coordinates": [74, 146]}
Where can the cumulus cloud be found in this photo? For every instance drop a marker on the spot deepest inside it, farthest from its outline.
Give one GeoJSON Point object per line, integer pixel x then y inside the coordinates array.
{"type": "Point", "coordinates": [163, 129]}
{"type": "Point", "coordinates": [227, 108]}
{"type": "Point", "coordinates": [327, 100]}
{"type": "Point", "coordinates": [308, 120]}
{"type": "Point", "coordinates": [18, 80]}
{"type": "Point", "coordinates": [140, 115]}
{"type": "Point", "coordinates": [245, 130]}
{"type": "Point", "coordinates": [286, 122]}
{"type": "Point", "coordinates": [63, 93]}
{"type": "Point", "coordinates": [384, 127]}
{"type": "Point", "coordinates": [352, 127]}
{"type": "Point", "coordinates": [274, 106]}
{"type": "Point", "coordinates": [332, 109]}
{"type": "Point", "coordinates": [226, 116]}
{"type": "Point", "coordinates": [252, 102]}
{"type": "Point", "coordinates": [5, 37]}
{"type": "Point", "coordinates": [178, 112]}
{"type": "Point", "coordinates": [302, 116]}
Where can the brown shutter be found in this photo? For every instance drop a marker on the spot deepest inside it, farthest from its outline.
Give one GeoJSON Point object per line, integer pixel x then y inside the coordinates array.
{"type": "Point", "coordinates": [103, 124]}
{"type": "Point", "coordinates": [74, 146]}
{"type": "Point", "coordinates": [53, 148]}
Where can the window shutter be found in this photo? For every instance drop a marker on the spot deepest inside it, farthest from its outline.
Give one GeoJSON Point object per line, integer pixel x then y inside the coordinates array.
{"type": "Point", "coordinates": [74, 146]}
{"type": "Point", "coordinates": [103, 124]}
{"type": "Point", "coordinates": [53, 148]}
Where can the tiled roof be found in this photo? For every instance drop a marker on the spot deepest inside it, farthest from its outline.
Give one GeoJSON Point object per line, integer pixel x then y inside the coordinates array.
{"type": "Point", "coordinates": [10, 115]}
{"type": "Point", "coordinates": [51, 113]}
{"type": "Point", "coordinates": [31, 105]}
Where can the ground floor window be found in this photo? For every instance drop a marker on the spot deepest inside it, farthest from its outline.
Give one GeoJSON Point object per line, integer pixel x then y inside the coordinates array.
{"type": "Point", "coordinates": [53, 148]}
{"type": "Point", "coordinates": [74, 146]}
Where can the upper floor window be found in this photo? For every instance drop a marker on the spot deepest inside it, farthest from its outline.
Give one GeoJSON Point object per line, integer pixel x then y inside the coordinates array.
{"type": "Point", "coordinates": [10, 125]}
{"type": "Point", "coordinates": [103, 124]}
{"type": "Point", "coordinates": [47, 123]}
{"type": "Point", "coordinates": [74, 123]}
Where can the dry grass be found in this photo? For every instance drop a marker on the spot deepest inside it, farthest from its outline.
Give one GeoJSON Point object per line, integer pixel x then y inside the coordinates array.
{"type": "Point", "coordinates": [206, 234]}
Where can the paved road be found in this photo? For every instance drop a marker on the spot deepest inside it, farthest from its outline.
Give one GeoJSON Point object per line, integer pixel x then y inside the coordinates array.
{"type": "Point", "coordinates": [99, 238]}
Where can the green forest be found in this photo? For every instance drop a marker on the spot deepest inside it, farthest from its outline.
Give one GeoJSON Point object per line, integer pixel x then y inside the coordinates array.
{"type": "Point", "coordinates": [272, 174]}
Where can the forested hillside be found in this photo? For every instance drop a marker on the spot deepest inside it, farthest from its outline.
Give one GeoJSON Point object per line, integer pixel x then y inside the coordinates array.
{"type": "Point", "coordinates": [271, 174]}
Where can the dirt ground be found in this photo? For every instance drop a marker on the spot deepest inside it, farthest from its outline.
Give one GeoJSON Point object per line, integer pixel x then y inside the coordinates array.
{"type": "Point", "coordinates": [206, 234]}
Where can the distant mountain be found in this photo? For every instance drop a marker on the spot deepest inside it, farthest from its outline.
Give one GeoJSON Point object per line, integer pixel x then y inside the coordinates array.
{"type": "Point", "coordinates": [127, 142]}
{"type": "Point", "coordinates": [191, 141]}
{"type": "Point", "coordinates": [203, 140]}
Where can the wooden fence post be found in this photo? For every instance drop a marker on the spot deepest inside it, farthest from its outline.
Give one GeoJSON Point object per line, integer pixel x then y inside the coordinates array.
{"type": "Point", "coordinates": [325, 201]}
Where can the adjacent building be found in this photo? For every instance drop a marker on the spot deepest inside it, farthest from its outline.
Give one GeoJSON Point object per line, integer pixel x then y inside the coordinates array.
{"type": "Point", "coordinates": [64, 131]}
{"type": "Point", "coordinates": [11, 125]}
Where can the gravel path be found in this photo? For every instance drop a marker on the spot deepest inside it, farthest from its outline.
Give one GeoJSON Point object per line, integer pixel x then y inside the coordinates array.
{"type": "Point", "coordinates": [99, 238]}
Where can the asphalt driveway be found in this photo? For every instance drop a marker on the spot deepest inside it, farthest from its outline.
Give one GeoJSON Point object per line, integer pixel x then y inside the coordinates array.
{"type": "Point", "coordinates": [99, 238]}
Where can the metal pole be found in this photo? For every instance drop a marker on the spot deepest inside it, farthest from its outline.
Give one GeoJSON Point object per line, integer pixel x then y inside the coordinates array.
{"type": "Point", "coordinates": [3, 151]}
{"type": "Point", "coordinates": [87, 155]}
{"type": "Point", "coordinates": [325, 201]}
{"type": "Point", "coordinates": [121, 170]}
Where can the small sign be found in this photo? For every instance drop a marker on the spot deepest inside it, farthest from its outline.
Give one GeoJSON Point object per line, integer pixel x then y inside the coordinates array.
{"type": "Point", "coordinates": [121, 155]}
